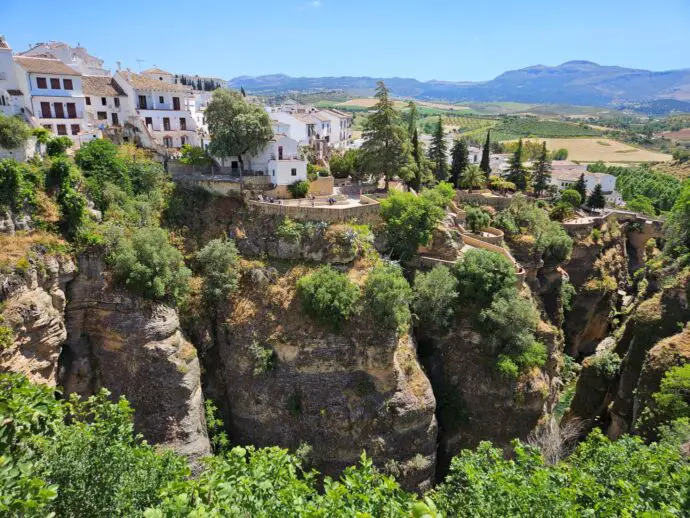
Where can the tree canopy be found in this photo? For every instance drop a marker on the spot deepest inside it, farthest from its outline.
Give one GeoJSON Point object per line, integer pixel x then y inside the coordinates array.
{"type": "Point", "coordinates": [13, 132]}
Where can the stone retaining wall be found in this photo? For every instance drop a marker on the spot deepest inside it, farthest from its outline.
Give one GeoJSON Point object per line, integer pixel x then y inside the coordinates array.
{"type": "Point", "coordinates": [366, 213]}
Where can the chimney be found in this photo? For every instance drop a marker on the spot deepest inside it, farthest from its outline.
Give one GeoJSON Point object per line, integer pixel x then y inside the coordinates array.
{"type": "Point", "coordinates": [119, 65]}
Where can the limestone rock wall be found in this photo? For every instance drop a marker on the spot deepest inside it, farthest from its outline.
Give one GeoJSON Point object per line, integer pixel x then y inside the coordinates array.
{"type": "Point", "coordinates": [134, 348]}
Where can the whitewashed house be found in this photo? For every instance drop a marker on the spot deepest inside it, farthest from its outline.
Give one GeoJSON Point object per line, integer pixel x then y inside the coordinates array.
{"type": "Point", "coordinates": [566, 177]}
{"type": "Point", "coordinates": [76, 58]}
{"type": "Point", "coordinates": [107, 105]}
{"type": "Point", "coordinates": [162, 111]}
{"type": "Point", "coordinates": [299, 129]}
{"type": "Point", "coordinates": [341, 127]}
{"type": "Point", "coordinates": [159, 75]}
{"type": "Point", "coordinates": [12, 100]}
{"type": "Point", "coordinates": [322, 126]}
{"type": "Point", "coordinates": [55, 97]}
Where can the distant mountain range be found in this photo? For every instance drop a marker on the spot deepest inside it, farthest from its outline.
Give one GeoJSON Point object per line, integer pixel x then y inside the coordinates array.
{"type": "Point", "coordinates": [574, 82]}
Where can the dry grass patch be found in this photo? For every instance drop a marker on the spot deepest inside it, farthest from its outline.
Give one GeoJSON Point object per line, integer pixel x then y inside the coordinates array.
{"type": "Point", "coordinates": [606, 150]}
{"type": "Point", "coordinates": [14, 250]}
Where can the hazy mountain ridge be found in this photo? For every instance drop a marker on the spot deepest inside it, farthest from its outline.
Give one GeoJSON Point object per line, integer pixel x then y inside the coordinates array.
{"type": "Point", "coordinates": [573, 82]}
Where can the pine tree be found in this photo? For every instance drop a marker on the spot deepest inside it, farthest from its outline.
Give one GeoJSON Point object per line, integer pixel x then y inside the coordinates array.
{"type": "Point", "coordinates": [596, 200]}
{"type": "Point", "coordinates": [412, 117]}
{"type": "Point", "coordinates": [418, 166]}
{"type": "Point", "coordinates": [438, 153]}
{"type": "Point", "coordinates": [198, 84]}
{"type": "Point", "coordinates": [516, 170]}
{"type": "Point", "coordinates": [542, 172]}
{"type": "Point", "coordinates": [581, 186]}
{"type": "Point", "coordinates": [485, 164]}
{"type": "Point", "coordinates": [386, 147]}
{"type": "Point", "coordinates": [460, 161]}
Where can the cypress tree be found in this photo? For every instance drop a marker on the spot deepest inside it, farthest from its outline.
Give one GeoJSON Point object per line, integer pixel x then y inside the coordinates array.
{"type": "Point", "coordinates": [418, 157]}
{"type": "Point", "coordinates": [596, 200]}
{"type": "Point", "coordinates": [244, 94]}
{"type": "Point", "coordinates": [542, 172]}
{"type": "Point", "coordinates": [438, 154]}
{"type": "Point", "coordinates": [485, 164]}
{"type": "Point", "coordinates": [516, 171]}
{"type": "Point", "coordinates": [460, 161]}
{"type": "Point", "coordinates": [412, 117]}
{"type": "Point", "coordinates": [581, 186]}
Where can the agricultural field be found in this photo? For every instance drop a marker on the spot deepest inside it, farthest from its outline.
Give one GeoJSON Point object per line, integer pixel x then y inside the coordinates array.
{"type": "Point", "coordinates": [680, 135]}
{"type": "Point", "coordinates": [368, 102]}
{"type": "Point", "coordinates": [527, 127]}
{"type": "Point", "coordinates": [606, 150]}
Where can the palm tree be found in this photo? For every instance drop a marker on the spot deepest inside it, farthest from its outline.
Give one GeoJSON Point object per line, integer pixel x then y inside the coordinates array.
{"type": "Point", "coordinates": [472, 176]}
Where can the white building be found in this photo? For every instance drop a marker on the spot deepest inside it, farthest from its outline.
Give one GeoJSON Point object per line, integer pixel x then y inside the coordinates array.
{"type": "Point", "coordinates": [322, 126]}
{"type": "Point", "coordinates": [566, 177]}
{"type": "Point", "coordinates": [76, 58]}
{"type": "Point", "coordinates": [302, 128]}
{"type": "Point", "coordinates": [159, 75]}
{"type": "Point", "coordinates": [341, 127]}
{"type": "Point", "coordinates": [106, 103]}
{"type": "Point", "coordinates": [162, 111]}
{"type": "Point", "coordinates": [54, 97]}
{"type": "Point", "coordinates": [11, 97]}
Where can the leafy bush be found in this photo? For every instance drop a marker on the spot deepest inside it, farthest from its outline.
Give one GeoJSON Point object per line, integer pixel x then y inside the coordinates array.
{"type": "Point", "coordinates": [328, 295]}
{"type": "Point", "coordinates": [435, 295]}
{"type": "Point", "coordinates": [299, 189]}
{"type": "Point", "coordinates": [57, 146]}
{"type": "Point", "coordinates": [344, 165]}
{"type": "Point", "coordinates": [560, 154]}
{"type": "Point", "coordinates": [672, 401]}
{"type": "Point", "coordinates": [561, 211]}
{"type": "Point", "coordinates": [101, 163]}
{"type": "Point", "coordinates": [13, 132]}
{"type": "Point", "coordinates": [388, 296]}
{"type": "Point", "coordinates": [17, 192]}
{"type": "Point", "coordinates": [220, 267]}
{"type": "Point", "coordinates": [147, 264]}
{"type": "Point", "coordinates": [607, 364]}
{"type": "Point", "coordinates": [290, 230]}
{"type": "Point", "coordinates": [440, 195]}
{"type": "Point", "coordinates": [477, 219]}
{"type": "Point", "coordinates": [262, 357]}
{"type": "Point", "coordinates": [571, 197]}
{"type": "Point", "coordinates": [6, 336]}
{"type": "Point", "coordinates": [641, 204]}
{"type": "Point", "coordinates": [410, 221]}
{"type": "Point", "coordinates": [194, 155]}
{"type": "Point", "coordinates": [481, 274]}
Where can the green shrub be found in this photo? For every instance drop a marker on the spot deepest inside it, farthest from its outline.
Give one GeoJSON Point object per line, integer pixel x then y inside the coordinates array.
{"type": "Point", "coordinates": [147, 264]}
{"type": "Point", "coordinates": [481, 274]}
{"type": "Point", "coordinates": [262, 357]}
{"type": "Point", "coordinates": [561, 211]}
{"type": "Point", "coordinates": [6, 336]}
{"type": "Point", "coordinates": [388, 296]}
{"type": "Point", "coordinates": [410, 221]}
{"type": "Point", "coordinates": [477, 219]}
{"type": "Point", "coordinates": [290, 230]}
{"type": "Point", "coordinates": [220, 267]}
{"type": "Point", "coordinates": [507, 368]}
{"type": "Point", "coordinates": [17, 191]}
{"type": "Point", "coordinates": [607, 364]}
{"type": "Point", "coordinates": [57, 146]}
{"type": "Point", "coordinates": [571, 197]}
{"type": "Point", "coordinates": [299, 189]}
{"type": "Point", "coordinates": [556, 244]}
{"type": "Point", "coordinates": [560, 154]}
{"type": "Point", "coordinates": [13, 132]}
{"type": "Point", "coordinates": [328, 295]}
{"type": "Point", "coordinates": [672, 401]}
{"type": "Point", "coordinates": [194, 155]}
{"type": "Point", "coordinates": [101, 163]}
{"type": "Point", "coordinates": [435, 295]}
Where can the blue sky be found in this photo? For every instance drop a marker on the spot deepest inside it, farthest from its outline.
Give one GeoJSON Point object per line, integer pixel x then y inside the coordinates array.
{"type": "Point", "coordinates": [426, 39]}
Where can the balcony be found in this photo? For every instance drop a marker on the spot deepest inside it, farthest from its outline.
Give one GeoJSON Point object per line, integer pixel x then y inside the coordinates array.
{"type": "Point", "coordinates": [285, 157]}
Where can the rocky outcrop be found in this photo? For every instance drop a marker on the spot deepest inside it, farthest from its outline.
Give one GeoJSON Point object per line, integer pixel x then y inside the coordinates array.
{"type": "Point", "coordinates": [11, 222]}
{"type": "Point", "coordinates": [134, 348]}
{"type": "Point", "coordinates": [33, 303]}
{"type": "Point", "coordinates": [282, 379]}
{"type": "Point", "coordinates": [474, 402]}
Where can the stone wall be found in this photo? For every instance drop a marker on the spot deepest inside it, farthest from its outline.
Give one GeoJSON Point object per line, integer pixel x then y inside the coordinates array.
{"type": "Point", "coordinates": [368, 213]}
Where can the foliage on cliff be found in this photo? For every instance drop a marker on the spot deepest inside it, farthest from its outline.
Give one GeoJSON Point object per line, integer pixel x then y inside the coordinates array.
{"type": "Point", "coordinates": [77, 458]}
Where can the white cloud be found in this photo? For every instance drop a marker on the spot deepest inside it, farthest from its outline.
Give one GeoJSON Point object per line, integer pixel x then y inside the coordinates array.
{"type": "Point", "coordinates": [316, 3]}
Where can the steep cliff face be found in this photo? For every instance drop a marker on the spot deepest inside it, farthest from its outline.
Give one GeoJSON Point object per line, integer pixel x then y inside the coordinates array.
{"type": "Point", "coordinates": [596, 269]}
{"type": "Point", "coordinates": [33, 303]}
{"type": "Point", "coordinates": [654, 319]}
{"type": "Point", "coordinates": [135, 349]}
{"type": "Point", "coordinates": [474, 402]}
{"type": "Point", "coordinates": [282, 379]}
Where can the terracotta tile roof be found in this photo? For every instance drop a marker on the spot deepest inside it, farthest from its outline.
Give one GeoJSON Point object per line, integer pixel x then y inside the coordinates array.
{"type": "Point", "coordinates": [146, 83]}
{"type": "Point", "coordinates": [568, 175]}
{"type": "Point", "coordinates": [15, 92]}
{"type": "Point", "coordinates": [156, 71]}
{"type": "Point", "coordinates": [321, 116]}
{"type": "Point", "coordinates": [102, 86]}
{"type": "Point", "coordinates": [45, 66]}
{"type": "Point", "coordinates": [306, 118]}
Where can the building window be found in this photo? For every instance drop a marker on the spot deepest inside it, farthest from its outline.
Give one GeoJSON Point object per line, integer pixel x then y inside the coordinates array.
{"type": "Point", "coordinates": [176, 103]}
{"type": "Point", "coordinates": [45, 110]}
{"type": "Point", "coordinates": [183, 141]}
{"type": "Point", "coordinates": [75, 129]}
{"type": "Point", "coordinates": [71, 110]}
{"type": "Point", "coordinates": [88, 101]}
{"type": "Point", "coordinates": [61, 129]}
{"type": "Point", "coordinates": [41, 82]}
{"type": "Point", "coordinates": [67, 84]}
{"type": "Point", "coordinates": [166, 124]}
{"type": "Point", "coordinates": [54, 83]}
{"type": "Point", "coordinates": [168, 141]}
{"type": "Point", "coordinates": [161, 100]}
{"type": "Point", "coordinates": [2, 101]}
{"type": "Point", "coordinates": [117, 102]}
{"type": "Point", "coordinates": [59, 110]}
{"type": "Point", "coordinates": [148, 121]}
{"type": "Point", "coordinates": [116, 120]}
{"type": "Point", "coordinates": [293, 172]}
{"type": "Point", "coordinates": [102, 116]}
{"type": "Point", "coordinates": [142, 102]}
{"type": "Point", "coordinates": [183, 124]}
{"type": "Point", "coordinates": [273, 173]}
{"type": "Point", "coordinates": [103, 101]}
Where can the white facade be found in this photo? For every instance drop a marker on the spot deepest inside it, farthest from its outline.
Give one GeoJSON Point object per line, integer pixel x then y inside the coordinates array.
{"type": "Point", "coordinates": [565, 178]}
{"type": "Point", "coordinates": [11, 97]}
{"type": "Point", "coordinates": [55, 98]}
{"type": "Point", "coordinates": [107, 106]}
{"type": "Point", "coordinates": [162, 111]}
{"type": "Point", "coordinates": [76, 58]}
{"type": "Point", "coordinates": [298, 128]}
{"type": "Point", "coordinates": [159, 75]}
{"type": "Point", "coordinates": [341, 127]}
{"type": "Point", "coordinates": [23, 152]}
